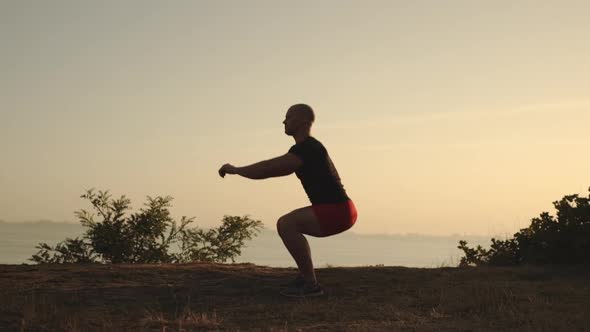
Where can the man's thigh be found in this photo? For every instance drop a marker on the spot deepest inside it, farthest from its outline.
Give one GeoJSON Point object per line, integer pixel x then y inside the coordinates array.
{"type": "Point", "coordinates": [304, 221]}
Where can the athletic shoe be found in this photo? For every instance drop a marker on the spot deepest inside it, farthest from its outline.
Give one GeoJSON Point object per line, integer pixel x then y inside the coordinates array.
{"type": "Point", "coordinates": [307, 290]}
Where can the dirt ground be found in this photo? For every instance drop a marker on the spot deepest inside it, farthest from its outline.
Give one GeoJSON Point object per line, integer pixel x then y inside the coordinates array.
{"type": "Point", "coordinates": [245, 297]}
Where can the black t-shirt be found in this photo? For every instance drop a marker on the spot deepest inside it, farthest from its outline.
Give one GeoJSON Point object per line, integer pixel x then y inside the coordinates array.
{"type": "Point", "coordinates": [318, 174]}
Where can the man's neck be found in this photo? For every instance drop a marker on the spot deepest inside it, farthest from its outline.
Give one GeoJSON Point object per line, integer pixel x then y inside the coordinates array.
{"type": "Point", "coordinates": [300, 137]}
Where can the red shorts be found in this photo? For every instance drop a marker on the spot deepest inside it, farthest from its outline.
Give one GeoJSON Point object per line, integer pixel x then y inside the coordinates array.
{"type": "Point", "coordinates": [335, 218]}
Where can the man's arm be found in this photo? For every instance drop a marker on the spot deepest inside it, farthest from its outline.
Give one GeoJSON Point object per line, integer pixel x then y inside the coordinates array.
{"type": "Point", "coordinates": [279, 166]}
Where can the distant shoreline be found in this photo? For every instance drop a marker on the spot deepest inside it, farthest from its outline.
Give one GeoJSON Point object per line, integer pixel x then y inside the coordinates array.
{"type": "Point", "coordinates": [268, 229]}
{"type": "Point", "coordinates": [18, 242]}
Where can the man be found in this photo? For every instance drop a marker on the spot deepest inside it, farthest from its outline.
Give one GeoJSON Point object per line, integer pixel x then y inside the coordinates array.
{"type": "Point", "coordinates": [331, 211]}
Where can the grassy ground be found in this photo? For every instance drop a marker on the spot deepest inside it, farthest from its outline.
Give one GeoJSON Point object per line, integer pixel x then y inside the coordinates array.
{"type": "Point", "coordinates": [244, 297]}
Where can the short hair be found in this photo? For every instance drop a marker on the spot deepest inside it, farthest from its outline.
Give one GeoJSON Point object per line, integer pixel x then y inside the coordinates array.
{"type": "Point", "coordinates": [306, 110]}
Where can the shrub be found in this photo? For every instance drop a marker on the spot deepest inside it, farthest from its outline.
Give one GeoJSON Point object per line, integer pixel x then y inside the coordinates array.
{"type": "Point", "coordinates": [67, 251]}
{"type": "Point", "coordinates": [146, 236]}
{"type": "Point", "coordinates": [564, 239]}
{"type": "Point", "coordinates": [216, 244]}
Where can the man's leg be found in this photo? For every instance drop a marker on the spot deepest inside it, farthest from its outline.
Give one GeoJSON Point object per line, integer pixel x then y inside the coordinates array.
{"type": "Point", "coordinates": [291, 228]}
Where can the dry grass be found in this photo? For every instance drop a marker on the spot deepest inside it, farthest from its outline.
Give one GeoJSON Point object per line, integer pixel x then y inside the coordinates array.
{"type": "Point", "coordinates": [187, 320]}
{"type": "Point", "coordinates": [244, 297]}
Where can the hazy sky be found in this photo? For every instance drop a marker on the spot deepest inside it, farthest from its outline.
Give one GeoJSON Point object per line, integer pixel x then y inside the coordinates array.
{"type": "Point", "coordinates": [442, 117]}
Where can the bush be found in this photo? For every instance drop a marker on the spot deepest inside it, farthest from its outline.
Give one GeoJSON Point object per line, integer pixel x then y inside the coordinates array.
{"type": "Point", "coordinates": [564, 239]}
{"type": "Point", "coordinates": [217, 244]}
{"type": "Point", "coordinates": [67, 251]}
{"type": "Point", "coordinates": [146, 236]}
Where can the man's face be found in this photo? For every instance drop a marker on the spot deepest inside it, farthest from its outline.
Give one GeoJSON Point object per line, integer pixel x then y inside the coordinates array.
{"type": "Point", "coordinates": [293, 121]}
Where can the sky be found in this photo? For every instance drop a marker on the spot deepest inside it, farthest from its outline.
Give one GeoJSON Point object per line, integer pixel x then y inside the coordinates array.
{"type": "Point", "coordinates": [454, 117]}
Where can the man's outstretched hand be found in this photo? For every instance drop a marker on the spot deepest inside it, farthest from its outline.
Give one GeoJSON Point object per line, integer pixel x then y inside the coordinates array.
{"type": "Point", "coordinates": [227, 169]}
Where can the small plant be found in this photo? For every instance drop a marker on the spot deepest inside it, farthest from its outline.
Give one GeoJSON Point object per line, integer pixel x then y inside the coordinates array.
{"type": "Point", "coordinates": [67, 251]}
{"type": "Point", "coordinates": [146, 236]}
{"type": "Point", "coordinates": [564, 239]}
{"type": "Point", "coordinates": [217, 244]}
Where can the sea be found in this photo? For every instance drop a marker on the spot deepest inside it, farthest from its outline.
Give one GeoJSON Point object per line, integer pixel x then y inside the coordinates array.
{"type": "Point", "coordinates": [18, 241]}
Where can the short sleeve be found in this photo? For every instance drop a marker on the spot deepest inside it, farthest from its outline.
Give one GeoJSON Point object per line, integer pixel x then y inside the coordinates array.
{"type": "Point", "coordinates": [299, 151]}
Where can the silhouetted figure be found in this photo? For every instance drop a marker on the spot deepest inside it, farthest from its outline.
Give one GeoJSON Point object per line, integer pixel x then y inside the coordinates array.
{"type": "Point", "coordinates": [331, 211]}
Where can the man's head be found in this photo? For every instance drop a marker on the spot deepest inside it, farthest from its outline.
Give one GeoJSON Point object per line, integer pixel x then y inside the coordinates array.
{"type": "Point", "coordinates": [299, 118]}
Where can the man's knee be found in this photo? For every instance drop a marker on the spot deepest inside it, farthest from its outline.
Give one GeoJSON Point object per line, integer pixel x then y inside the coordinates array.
{"type": "Point", "coordinates": [283, 226]}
